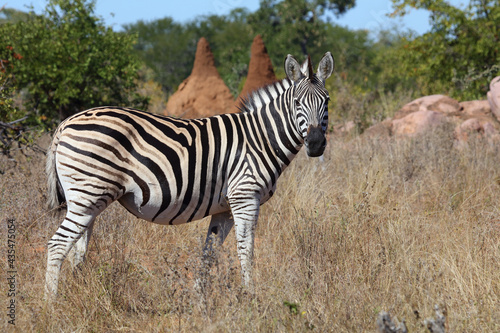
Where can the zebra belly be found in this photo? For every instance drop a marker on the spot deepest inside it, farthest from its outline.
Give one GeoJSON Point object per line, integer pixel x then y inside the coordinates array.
{"type": "Point", "coordinates": [175, 213]}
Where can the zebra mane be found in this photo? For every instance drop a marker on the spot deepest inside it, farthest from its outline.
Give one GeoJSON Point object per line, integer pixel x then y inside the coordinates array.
{"type": "Point", "coordinates": [256, 99]}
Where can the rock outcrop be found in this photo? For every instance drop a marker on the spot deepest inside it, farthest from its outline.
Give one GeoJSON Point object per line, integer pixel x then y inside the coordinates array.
{"type": "Point", "coordinates": [476, 126]}
{"type": "Point", "coordinates": [494, 97]}
{"type": "Point", "coordinates": [417, 122]}
{"type": "Point", "coordinates": [475, 108]}
{"type": "Point", "coordinates": [469, 119]}
{"type": "Point", "coordinates": [436, 103]}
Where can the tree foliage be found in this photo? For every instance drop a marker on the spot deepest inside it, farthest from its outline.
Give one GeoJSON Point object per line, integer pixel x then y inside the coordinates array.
{"type": "Point", "coordinates": [296, 26]}
{"type": "Point", "coordinates": [165, 46]}
{"type": "Point", "coordinates": [291, 26]}
{"type": "Point", "coordinates": [169, 47]}
{"type": "Point", "coordinates": [12, 130]}
{"type": "Point", "coordinates": [12, 15]}
{"type": "Point", "coordinates": [460, 54]}
{"type": "Point", "coordinates": [71, 61]}
{"type": "Point", "coordinates": [8, 59]}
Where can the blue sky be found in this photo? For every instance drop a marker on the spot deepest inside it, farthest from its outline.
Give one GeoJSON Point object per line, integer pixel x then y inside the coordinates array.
{"type": "Point", "coordinates": [368, 14]}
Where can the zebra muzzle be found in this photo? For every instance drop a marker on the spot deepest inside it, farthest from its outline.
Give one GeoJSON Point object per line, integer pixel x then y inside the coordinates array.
{"type": "Point", "coordinates": [315, 141]}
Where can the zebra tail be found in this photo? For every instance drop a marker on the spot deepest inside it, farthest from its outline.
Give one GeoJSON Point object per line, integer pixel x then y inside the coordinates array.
{"type": "Point", "coordinates": [55, 194]}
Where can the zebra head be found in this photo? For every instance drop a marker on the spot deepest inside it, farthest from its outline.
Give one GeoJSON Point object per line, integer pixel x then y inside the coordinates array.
{"type": "Point", "coordinates": [310, 100]}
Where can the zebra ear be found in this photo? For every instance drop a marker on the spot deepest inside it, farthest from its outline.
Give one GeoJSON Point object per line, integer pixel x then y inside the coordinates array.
{"type": "Point", "coordinates": [325, 67]}
{"type": "Point", "coordinates": [292, 69]}
{"type": "Point", "coordinates": [307, 68]}
{"type": "Point", "coordinates": [304, 66]}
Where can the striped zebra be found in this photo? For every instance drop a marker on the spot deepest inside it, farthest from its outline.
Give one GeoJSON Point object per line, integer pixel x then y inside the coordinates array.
{"type": "Point", "coordinates": [172, 171]}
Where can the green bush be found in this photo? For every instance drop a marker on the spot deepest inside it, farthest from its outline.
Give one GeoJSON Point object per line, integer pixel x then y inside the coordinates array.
{"type": "Point", "coordinates": [71, 61]}
{"type": "Point", "coordinates": [460, 54]}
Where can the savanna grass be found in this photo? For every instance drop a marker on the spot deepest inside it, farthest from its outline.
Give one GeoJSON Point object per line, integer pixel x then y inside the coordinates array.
{"type": "Point", "coordinates": [381, 225]}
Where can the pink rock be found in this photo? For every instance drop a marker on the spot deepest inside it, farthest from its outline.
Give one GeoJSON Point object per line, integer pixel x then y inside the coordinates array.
{"type": "Point", "coordinates": [463, 130]}
{"type": "Point", "coordinates": [437, 103]}
{"type": "Point", "coordinates": [476, 108]}
{"type": "Point", "coordinates": [380, 130]}
{"type": "Point", "coordinates": [476, 126]}
{"type": "Point", "coordinates": [417, 123]}
{"type": "Point", "coordinates": [345, 129]}
{"type": "Point", "coordinates": [494, 97]}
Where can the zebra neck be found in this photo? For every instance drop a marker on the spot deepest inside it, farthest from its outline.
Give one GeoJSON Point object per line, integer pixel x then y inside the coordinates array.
{"type": "Point", "coordinates": [272, 108]}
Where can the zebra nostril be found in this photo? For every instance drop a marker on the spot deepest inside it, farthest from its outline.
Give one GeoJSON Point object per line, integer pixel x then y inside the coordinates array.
{"type": "Point", "coordinates": [315, 141]}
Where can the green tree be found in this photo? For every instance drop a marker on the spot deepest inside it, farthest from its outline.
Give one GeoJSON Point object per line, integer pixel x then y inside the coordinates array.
{"type": "Point", "coordinates": [166, 47]}
{"type": "Point", "coordinates": [12, 130]}
{"type": "Point", "coordinates": [296, 26]}
{"type": "Point", "coordinates": [71, 61]}
{"type": "Point", "coordinates": [8, 59]}
{"type": "Point", "coordinates": [290, 26]}
{"type": "Point", "coordinates": [12, 15]}
{"type": "Point", "coordinates": [460, 55]}
{"type": "Point", "coordinates": [169, 48]}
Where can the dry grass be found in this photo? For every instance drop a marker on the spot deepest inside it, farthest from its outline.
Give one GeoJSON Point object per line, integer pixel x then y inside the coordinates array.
{"type": "Point", "coordinates": [394, 226]}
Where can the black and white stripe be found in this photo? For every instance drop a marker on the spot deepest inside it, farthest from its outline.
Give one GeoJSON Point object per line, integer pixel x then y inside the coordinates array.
{"type": "Point", "coordinates": [172, 171]}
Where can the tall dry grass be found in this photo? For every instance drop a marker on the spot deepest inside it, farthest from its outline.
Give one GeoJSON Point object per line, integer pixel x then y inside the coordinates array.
{"type": "Point", "coordinates": [382, 225]}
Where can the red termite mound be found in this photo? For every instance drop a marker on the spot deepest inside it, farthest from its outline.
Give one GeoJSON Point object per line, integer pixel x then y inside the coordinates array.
{"type": "Point", "coordinates": [260, 69]}
{"type": "Point", "coordinates": [203, 93]}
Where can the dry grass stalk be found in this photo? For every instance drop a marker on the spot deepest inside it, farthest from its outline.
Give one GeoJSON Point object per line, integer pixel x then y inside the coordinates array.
{"type": "Point", "coordinates": [380, 225]}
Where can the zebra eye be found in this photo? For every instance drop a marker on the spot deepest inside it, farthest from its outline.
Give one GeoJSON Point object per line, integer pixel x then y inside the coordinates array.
{"type": "Point", "coordinates": [297, 103]}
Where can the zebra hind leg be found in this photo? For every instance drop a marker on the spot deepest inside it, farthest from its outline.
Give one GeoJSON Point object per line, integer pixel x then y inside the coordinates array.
{"type": "Point", "coordinates": [70, 231]}
{"type": "Point", "coordinates": [220, 226]}
{"type": "Point", "coordinates": [77, 254]}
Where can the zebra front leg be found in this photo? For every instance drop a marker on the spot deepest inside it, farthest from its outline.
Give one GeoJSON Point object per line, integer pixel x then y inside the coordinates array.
{"type": "Point", "coordinates": [59, 246]}
{"type": "Point", "coordinates": [245, 214]}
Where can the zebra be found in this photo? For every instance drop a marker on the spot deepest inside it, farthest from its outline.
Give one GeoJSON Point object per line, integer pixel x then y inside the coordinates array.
{"type": "Point", "coordinates": [171, 171]}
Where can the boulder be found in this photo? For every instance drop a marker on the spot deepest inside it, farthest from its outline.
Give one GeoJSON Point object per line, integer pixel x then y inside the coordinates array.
{"type": "Point", "coordinates": [472, 118]}
{"type": "Point", "coordinates": [482, 127]}
{"type": "Point", "coordinates": [417, 123]}
{"type": "Point", "coordinates": [203, 93]}
{"type": "Point", "coordinates": [436, 103]}
{"type": "Point", "coordinates": [475, 108]}
{"type": "Point", "coordinates": [345, 129]}
{"type": "Point", "coordinates": [494, 97]}
{"type": "Point", "coordinates": [380, 130]}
